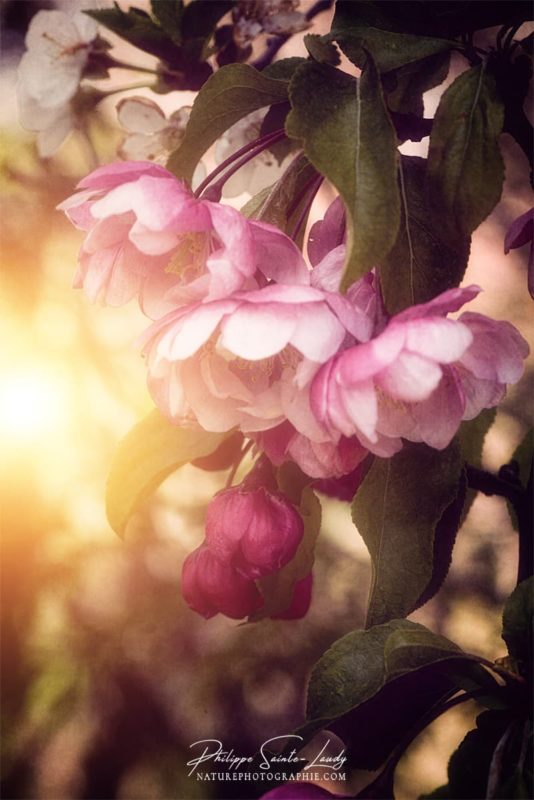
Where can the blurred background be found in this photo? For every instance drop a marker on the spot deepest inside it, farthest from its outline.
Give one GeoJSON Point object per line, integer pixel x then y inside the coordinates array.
{"type": "Point", "coordinates": [107, 676]}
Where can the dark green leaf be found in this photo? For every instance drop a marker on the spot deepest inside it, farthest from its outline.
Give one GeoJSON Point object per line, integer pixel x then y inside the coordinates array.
{"type": "Point", "coordinates": [372, 686]}
{"type": "Point", "coordinates": [169, 14]}
{"type": "Point", "coordinates": [228, 96]}
{"type": "Point", "coordinates": [198, 23]}
{"type": "Point", "coordinates": [423, 262]}
{"type": "Point", "coordinates": [444, 540]}
{"type": "Point", "coordinates": [522, 462]}
{"type": "Point", "coordinates": [470, 766]}
{"type": "Point", "coordinates": [145, 457]}
{"type": "Point", "coordinates": [465, 166]}
{"type": "Point", "coordinates": [275, 120]}
{"type": "Point", "coordinates": [284, 69]}
{"type": "Point", "coordinates": [277, 589]}
{"type": "Point", "coordinates": [326, 104]}
{"type": "Point", "coordinates": [472, 435]}
{"type": "Point", "coordinates": [322, 51]}
{"type": "Point", "coordinates": [390, 50]}
{"type": "Point", "coordinates": [136, 27]}
{"type": "Point", "coordinates": [405, 86]}
{"type": "Point", "coordinates": [437, 18]}
{"type": "Point", "coordinates": [517, 622]}
{"type": "Point", "coordinates": [396, 510]}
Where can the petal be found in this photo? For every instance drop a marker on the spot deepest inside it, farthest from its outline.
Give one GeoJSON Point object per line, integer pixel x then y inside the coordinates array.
{"type": "Point", "coordinates": [256, 332]}
{"type": "Point", "coordinates": [277, 256]}
{"type": "Point", "coordinates": [410, 377]}
{"type": "Point", "coordinates": [443, 340]}
{"type": "Point", "coordinates": [140, 115]}
{"type": "Point", "coordinates": [110, 175]}
{"type": "Point", "coordinates": [318, 333]}
{"type": "Point", "coordinates": [445, 303]}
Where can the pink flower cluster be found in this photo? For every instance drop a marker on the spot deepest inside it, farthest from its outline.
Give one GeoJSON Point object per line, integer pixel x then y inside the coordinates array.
{"type": "Point", "coordinates": [252, 531]}
{"type": "Point", "coordinates": [245, 336]}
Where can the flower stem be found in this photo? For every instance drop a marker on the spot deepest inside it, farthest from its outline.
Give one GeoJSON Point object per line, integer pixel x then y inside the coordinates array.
{"type": "Point", "coordinates": [116, 63]}
{"type": "Point", "coordinates": [248, 151]}
{"type": "Point", "coordinates": [306, 207]}
{"type": "Point", "coordinates": [237, 463]}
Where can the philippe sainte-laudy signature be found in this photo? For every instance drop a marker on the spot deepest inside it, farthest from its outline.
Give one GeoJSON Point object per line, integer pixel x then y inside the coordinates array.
{"type": "Point", "coordinates": [213, 751]}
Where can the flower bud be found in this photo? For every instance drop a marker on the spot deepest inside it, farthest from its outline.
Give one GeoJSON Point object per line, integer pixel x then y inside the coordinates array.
{"type": "Point", "coordinates": [211, 586]}
{"type": "Point", "coordinates": [254, 529]}
{"type": "Point", "coordinates": [300, 602]}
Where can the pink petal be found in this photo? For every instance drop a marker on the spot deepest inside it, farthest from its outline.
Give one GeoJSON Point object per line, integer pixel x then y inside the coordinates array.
{"type": "Point", "coordinates": [256, 332]}
{"type": "Point", "coordinates": [440, 306]}
{"type": "Point", "coordinates": [119, 172]}
{"type": "Point", "coordinates": [410, 377]}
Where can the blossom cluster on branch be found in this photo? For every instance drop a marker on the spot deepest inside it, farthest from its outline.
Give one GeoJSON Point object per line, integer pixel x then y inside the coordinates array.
{"type": "Point", "coordinates": [246, 336]}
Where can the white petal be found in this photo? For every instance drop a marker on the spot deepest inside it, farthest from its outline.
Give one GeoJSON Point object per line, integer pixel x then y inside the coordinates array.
{"type": "Point", "coordinates": [140, 115]}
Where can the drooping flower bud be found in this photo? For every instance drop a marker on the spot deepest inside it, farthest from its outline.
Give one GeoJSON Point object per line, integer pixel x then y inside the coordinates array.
{"type": "Point", "coordinates": [300, 602]}
{"type": "Point", "coordinates": [211, 586]}
{"type": "Point", "coordinates": [253, 528]}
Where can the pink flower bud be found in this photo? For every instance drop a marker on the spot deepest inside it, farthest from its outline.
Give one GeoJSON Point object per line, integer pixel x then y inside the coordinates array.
{"type": "Point", "coordinates": [211, 586]}
{"type": "Point", "coordinates": [254, 529]}
{"type": "Point", "coordinates": [300, 602]}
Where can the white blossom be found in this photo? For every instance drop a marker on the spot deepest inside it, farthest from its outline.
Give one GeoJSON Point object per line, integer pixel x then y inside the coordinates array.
{"type": "Point", "coordinates": [49, 74]}
{"type": "Point", "coordinates": [151, 135]}
{"type": "Point", "coordinates": [261, 171]}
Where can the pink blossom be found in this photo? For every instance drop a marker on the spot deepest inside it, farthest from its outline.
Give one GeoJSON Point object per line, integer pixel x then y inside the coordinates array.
{"type": "Point", "coordinates": [211, 586]}
{"type": "Point", "coordinates": [246, 360]}
{"type": "Point", "coordinates": [328, 233]}
{"type": "Point", "coordinates": [420, 377]}
{"type": "Point", "coordinates": [253, 528]}
{"type": "Point", "coordinates": [318, 459]}
{"type": "Point", "coordinates": [300, 602]}
{"type": "Point", "coordinates": [147, 236]}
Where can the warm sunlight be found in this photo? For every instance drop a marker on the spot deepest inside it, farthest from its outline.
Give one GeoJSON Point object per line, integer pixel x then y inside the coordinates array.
{"type": "Point", "coordinates": [33, 404]}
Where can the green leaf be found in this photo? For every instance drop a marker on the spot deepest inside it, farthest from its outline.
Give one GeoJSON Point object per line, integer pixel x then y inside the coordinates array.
{"type": "Point", "coordinates": [397, 510]}
{"type": "Point", "coordinates": [371, 687]}
{"type": "Point", "coordinates": [145, 457]}
{"type": "Point", "coordinates": [277, 589]}
{"type": "Point", "coordinates": [326, 103]}
{"type": "Point", "coordinates": [474, 770]}
{"type": "Point", "coordinates": [405, 86]}
{"type": "Point", "coordinates": [472, 435]}
{"type": "Point", "coordinates": [389, 50]}
{"type": "Point", "coordinates": [226, 97]}
{"type": "Point", "coordinates": [465, 166]}
{"type": "Point", "coordinates": [322, 51]}
{"type": "Point", "coordinates": [198, 23]}
{"type": "Point", "coordinates": [284, 69]}
{"type": "Point", "coordinates": [522, 456]}
{"type": "Point", "coordinates": [517, 623]}
{"type": "Point", "coordinates": [423, 262]}
{"type": "Point", "coordinates": [136, 27]}
{"type": "Point", "coordinates": [169, 14]}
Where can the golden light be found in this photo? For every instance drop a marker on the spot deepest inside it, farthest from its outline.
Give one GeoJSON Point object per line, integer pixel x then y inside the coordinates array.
{"type": "Point", "coordinates": [33, 404]}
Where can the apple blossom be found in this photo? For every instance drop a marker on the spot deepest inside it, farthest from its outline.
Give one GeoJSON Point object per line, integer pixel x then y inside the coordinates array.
{"type": "Point", "coordinates": [59, 46]}
{"type": "Point", "coordinates": [211, 586]}
{"type": "Point", "coordinates": [253, 528]}
{"type": "Point", "coordinates": [420, 376]}
{"type": "Point", "coordinates": [258, 172]}
{"type": "Point", "coordinates": [146, 234]}
{"type": "Point", "coordinates": [246, 360]}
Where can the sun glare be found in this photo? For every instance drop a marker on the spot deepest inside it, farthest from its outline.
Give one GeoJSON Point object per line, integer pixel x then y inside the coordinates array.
{"type": "Point", "coordinates": [32, 404]}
